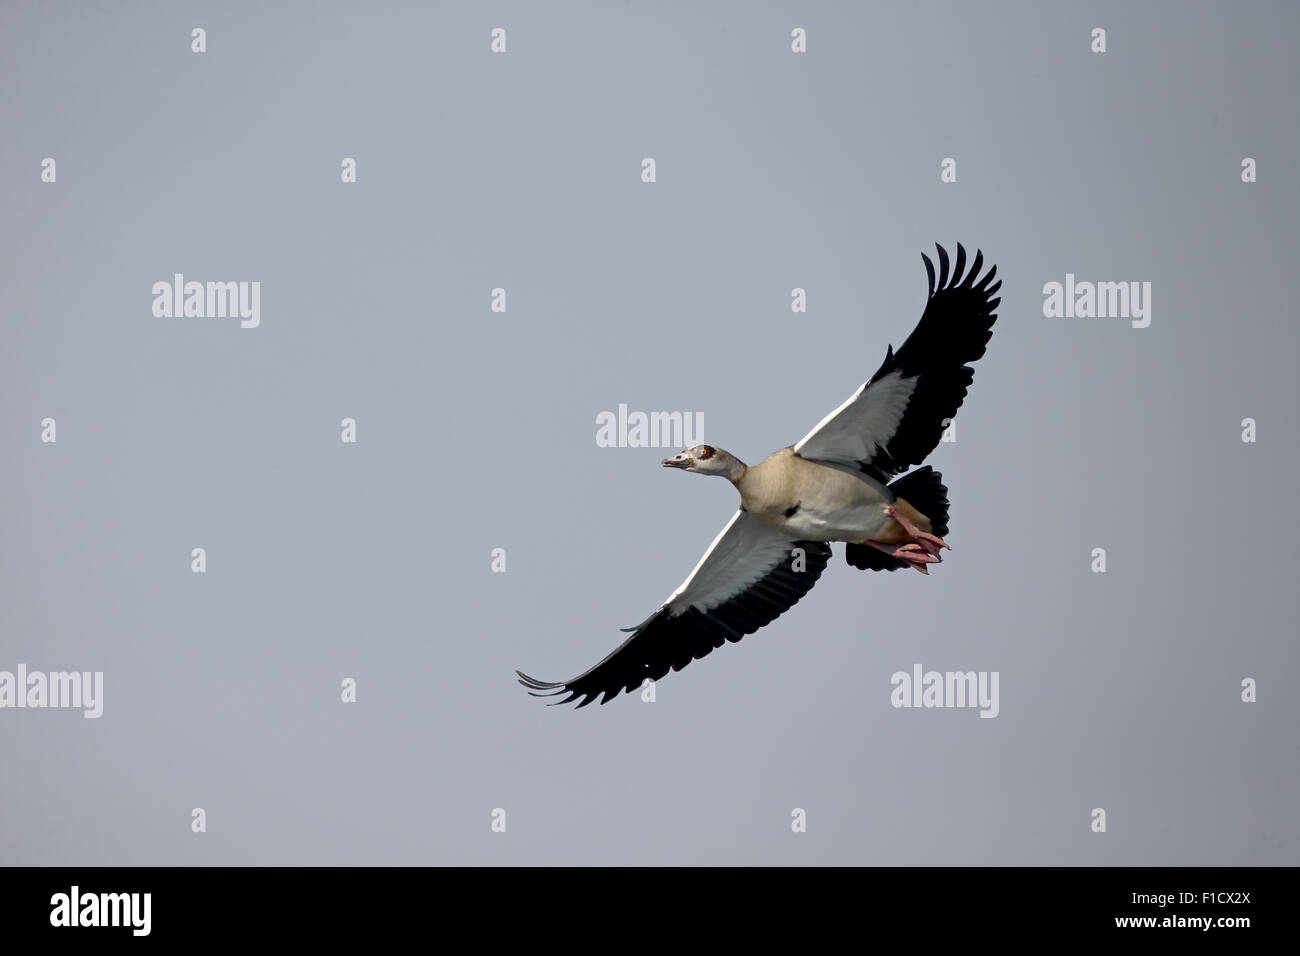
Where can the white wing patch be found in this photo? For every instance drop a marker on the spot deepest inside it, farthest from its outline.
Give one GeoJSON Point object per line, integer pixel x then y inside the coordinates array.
{"type": "Point", "coordinates": [742, 553]}
{"type": "Point", "coordinates": [866, 422]}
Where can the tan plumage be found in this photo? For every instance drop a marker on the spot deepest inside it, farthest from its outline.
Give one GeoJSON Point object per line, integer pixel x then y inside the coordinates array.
{"type": "Point", "coordinates": [818, 502]}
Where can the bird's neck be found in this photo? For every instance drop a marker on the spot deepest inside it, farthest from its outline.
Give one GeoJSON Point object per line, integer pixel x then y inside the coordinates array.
{"type": "Point", "coordinates": [738, 471]}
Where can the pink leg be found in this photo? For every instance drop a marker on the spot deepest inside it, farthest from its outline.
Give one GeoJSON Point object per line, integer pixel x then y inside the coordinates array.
{"type": "Point", "coordinates": [914, 555]}
{"type": "Point", "coordinates": [930, 543]}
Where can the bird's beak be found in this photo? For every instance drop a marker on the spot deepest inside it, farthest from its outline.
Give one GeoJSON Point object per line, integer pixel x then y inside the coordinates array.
{"type": "Point", "coordinates": [678, 461]}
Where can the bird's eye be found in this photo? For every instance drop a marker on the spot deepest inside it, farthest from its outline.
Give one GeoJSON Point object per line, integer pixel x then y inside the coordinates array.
{"type": "Point", "coordinates": [704, 451]}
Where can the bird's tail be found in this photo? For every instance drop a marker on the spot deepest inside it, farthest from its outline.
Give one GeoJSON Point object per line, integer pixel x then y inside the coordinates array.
{"type": "Point", "coordinates": [923, 489]}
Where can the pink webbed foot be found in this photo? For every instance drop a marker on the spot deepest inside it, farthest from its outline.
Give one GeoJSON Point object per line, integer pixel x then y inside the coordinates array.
{"type": "Point", "coordinates": [912, 554]}
{"type": "Point", "coordinates": [930, 543]}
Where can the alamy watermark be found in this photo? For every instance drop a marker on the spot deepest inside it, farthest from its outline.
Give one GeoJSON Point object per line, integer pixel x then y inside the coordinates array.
{"type": "Point", "coordinates": [626, 429]}
{"type": "Point", "coordinates": [83, 690]}
{"type": "Point", "coordinates": [208, 300]}
{"type": "Point", "coordinates": [922, 688]}
{"type": "Point", "coordinates": [1101, 300]}
{"type": "Point", "coordinates": [76, 908]}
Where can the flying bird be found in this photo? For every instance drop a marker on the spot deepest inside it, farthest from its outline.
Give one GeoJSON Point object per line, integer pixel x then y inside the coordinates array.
{"type": "Point", "coordinates": [837, 484]}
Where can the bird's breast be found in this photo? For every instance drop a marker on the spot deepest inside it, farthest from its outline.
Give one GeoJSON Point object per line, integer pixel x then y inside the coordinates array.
{"type": "Point", "coordinates": [813, 502]}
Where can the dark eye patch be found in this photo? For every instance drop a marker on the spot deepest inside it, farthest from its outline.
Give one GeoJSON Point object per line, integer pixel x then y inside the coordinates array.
{"type": "Point", "coordinates": [706, 451]}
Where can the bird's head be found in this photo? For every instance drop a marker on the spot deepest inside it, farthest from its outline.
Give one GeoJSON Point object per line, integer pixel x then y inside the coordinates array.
{"type": "Point", "coordinates": [707, 460]}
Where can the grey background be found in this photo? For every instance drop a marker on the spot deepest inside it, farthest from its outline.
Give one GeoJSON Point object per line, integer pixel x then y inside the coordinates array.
{"type": "Point", "coordinates": [476, 430]}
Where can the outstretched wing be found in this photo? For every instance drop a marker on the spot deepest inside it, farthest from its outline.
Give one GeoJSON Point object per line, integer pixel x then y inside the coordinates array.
{"type": "Point", "coordinates": [750, 575]}
{"type": "Point", "coordinates": [897, 418]}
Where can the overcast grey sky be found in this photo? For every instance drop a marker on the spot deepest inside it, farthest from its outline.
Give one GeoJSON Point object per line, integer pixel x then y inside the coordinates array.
{"type": "Point", "coordinates": [476, 429]}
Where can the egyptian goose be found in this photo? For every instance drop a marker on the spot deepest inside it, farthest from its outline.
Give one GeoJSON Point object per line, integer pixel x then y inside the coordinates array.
{"type": "Point", "coordinates": [834, 485]}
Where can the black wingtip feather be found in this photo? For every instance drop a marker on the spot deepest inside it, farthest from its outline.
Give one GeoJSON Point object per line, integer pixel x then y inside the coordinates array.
{"type": "Point", "coordinates": [668, 641]}
{"type": "Point", "coordinates": [536, 684]}
{"type": "Point", "coordinates": [955, 327]}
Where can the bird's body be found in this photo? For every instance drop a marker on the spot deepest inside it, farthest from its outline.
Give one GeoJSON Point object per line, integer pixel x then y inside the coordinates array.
{"type": "Point", "coordinates": [812, 501]}
{"type": "Point", "coordinates": [840, 482]}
